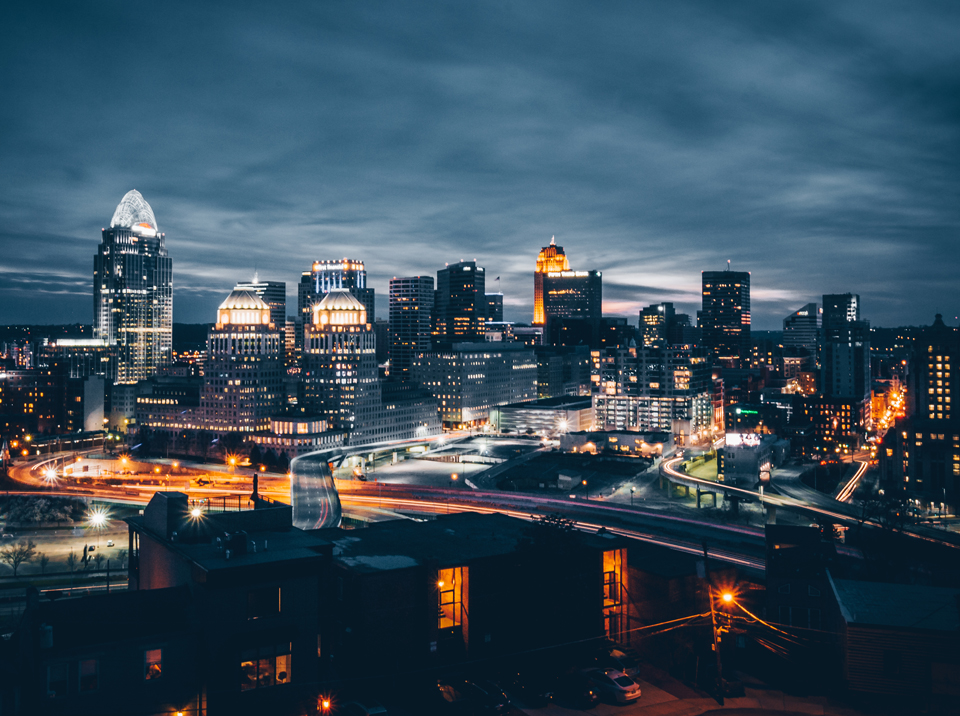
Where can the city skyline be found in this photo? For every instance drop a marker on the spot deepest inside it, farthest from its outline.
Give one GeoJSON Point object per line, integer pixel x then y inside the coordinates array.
{"type": "Point", "coordinates": [807, 146]}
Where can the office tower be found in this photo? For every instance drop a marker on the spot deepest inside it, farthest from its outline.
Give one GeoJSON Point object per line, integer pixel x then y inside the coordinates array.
{"type": "Point", "coordinates": [411, 311]}
{"type": "Point", "coordinates": [844, 349]}
{"type": "Point", "coordinates": [243, 373]}
{"type": "Point", "coordinates": [575, 300]}
{"type": "Point", "coordinates": [725, 317]}
{"type": "Point", "coordinates": [801, 329]}
{"type": "Point", "coordinates": [655, 322]}
{"type": "Point", "coordinates": [273, 293]}
{"type": "Point", "coordinates": [460, 303]}
{"type": "Point", "coordinates": [133, 290]}
{"type": "Point", "coordinates": [326, 276]}
{"type": "Point", "coordinates": [340, 376]}
{"type": "Point", "coordinates": [470, 379]}
{"type": "Point", "coordinates": [495, 307]}
{"type": "Point", "coordinates": [551, 258]}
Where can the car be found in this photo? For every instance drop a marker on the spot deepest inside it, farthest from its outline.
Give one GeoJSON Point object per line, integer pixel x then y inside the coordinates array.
{"type": "Point", "coordinates": [614, 685]}
{"type": "Point", "coordinates": [469, 697]}
{"type": "Point", "coordinates": [574, 689]}
{"type": "Point", "coordinates": [109, 543]}
{"type": "Point", "coordinates": [7, 536]}
{"type": "Point", "coordinates": [619, 659]}
{"type": "Point", "coordinates": [531, 688]}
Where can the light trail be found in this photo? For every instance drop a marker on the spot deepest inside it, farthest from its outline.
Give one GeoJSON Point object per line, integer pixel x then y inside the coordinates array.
{"type": "Point", "coordinates": [847, 492]}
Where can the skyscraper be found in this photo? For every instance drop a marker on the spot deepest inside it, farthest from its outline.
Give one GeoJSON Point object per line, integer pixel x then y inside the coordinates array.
{"type": "Point", "coordinates": [801, 329]}
{"type": "Point", "coordinates": [551, 258]}
{"type": "Point", "coordinates": [326, 276]}
{"type": "Point", "coordinates": [273, 293]}
{"type": "Point", "coordinates": [460, 303]}
{"type": "Point", "coordinates": [411, 310]}
{"type": "Point", "coordinates": [575, 299]}
{"type": "Point", "coordinates": [243, 373]}
{"type": "Point", "coordinates": [844, 349]}
{"type": "Point", "coordinates": [133, 290]}
{"type": "Point", "coordinates": [655, 321]}
{"type": "Point", "coordinates": [725, 317]}
{"type": "Point", "coordinates": [340, 377]}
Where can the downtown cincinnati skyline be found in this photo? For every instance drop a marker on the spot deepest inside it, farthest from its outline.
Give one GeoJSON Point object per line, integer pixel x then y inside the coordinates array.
{"type": "Point", "coordinates": [813, 146]}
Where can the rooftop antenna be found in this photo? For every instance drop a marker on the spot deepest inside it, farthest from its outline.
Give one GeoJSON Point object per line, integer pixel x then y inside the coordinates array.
{"type": "Point", "coordinates": [728, 264]}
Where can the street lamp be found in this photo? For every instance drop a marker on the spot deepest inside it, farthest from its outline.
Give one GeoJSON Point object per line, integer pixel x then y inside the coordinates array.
{"type": "Point", "coordinates": [632, 491]}
{"type": "Point", "coordinates": [98, 519]}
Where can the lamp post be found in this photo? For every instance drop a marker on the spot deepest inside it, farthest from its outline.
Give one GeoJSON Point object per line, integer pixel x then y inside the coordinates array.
{"type": "Point", "coordinates": [632, 491]}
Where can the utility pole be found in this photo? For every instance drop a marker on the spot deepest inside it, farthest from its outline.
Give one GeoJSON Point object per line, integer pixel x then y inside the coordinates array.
{"type": "Point", "coordinates": [713, 622]}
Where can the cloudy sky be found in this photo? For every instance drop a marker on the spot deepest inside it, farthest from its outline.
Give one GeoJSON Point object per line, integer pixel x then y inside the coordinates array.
{"type": "Point", "coordinates": [813, 144]}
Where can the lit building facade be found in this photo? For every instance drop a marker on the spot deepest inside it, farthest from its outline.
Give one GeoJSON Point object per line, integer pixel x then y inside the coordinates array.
{"type": "Point", "coordinates": [243, 372]}
{"type": "Point", "coordinates": [460, 303]}
{"type": "Point", "coordinates": [340, 375]}
{"type": "Point", "coordinates": [469, 379]}
{"type": "Point", "coordinates": [273, 293]}
{"type": "Point", "coordinates": [551, 258]}
{"type": "Point", "coordinates": [801, 329]}
{"type": "Point", "coordinates": [411, 310]}
{"type": "Point", "coordinates": [574, 295]}
{"type": "Point", "coordinates": [725, 316]}
{"type": "Point", "coordinates": [133, 291]}
{"type": "Point", "coordinates": [334, 275]}
{"type": "Point", "coordinates": [921, 456]}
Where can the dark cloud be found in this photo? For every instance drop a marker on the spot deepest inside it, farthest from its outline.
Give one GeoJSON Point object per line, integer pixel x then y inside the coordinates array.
{"type": "Point", "coordinates": [813, 144]}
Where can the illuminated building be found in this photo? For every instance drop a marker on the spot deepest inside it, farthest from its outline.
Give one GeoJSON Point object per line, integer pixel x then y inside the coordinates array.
{"type": "Point", "coordinates": [411, 310]}
{"type": "Point", "coordinates": [547, 416]}
{"type": "Point", "coordinates": [273, 293]}
{"type": "Point", "coordinates": [571, 297]}
{"type": "Point", "coordinates": [460, 303]}
{"type": "Point", "coordinates": [326, 276]}
{"type": "Point", "coordinates": [724, 320]}
{"type": "Point", "coordinates": [921, 455]}
{"type": "Point", "coordinates": [133, 290]}
{"type": "Point", "coordinates": [550, 258]}
{"type": "Point", "coordinates": [653, 389]}
{"type": "Point", "coordinates": [469, 379]}
{"type": "Point", "coordinates": [654, 322]}
{"type": "Point", "coordinates": [340, 378]}
{"type": "Point", "coordinates": [243, 373]}
{"type": "Point", "coordinates": [801, 329]}
{"type": "Point", "coordinates": [495, 307]}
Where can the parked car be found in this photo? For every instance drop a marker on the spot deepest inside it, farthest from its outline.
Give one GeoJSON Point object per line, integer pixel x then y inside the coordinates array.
{"type": "Point", "coordinates": [574, 689]}
{"type": "Point", "coordinates": [614, 685]}
{"type": "Point", "coordinates": [619, 659]}
{"type": "Point", "coordinates": [109, 543]}
{"type": "Point", "coordinates": [531, 687]}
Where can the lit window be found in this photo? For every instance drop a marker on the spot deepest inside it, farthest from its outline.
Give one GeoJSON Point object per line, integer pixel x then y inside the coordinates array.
{"type": "Point", "coordinates": [153, 664]}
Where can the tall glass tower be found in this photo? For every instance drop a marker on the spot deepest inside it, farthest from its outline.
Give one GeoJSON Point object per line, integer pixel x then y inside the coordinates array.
{"type": "Point", "coordinates": [133, 290]}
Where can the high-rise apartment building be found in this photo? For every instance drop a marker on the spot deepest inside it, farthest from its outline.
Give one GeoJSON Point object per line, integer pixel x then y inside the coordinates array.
{"type": "Point", "coordinates": [460, 303]}
{"type": "Point", "coordinates": [725, 317]}
{"type": "Point", "coordinates": [844, 349]}
{"type": "Point", "coordinates": [920, 457]}
{"type": "Point", "coordinates": [551, 258]}
{"type": "Point", "coordinates": [411, 312]}
{"type": "Point", "coordinates": [133, 290]}
{"type": "Point", "coordinates": [495, 307]}
{"type": "Point", "coordinates": [243, 373]}
{"type": "Point", "coordinates": [802, 328]}
{"type": "Point", "coordinates": [273, 293]}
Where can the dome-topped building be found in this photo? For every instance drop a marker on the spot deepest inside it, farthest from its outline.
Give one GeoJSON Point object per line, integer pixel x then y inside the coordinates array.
{"type": "Point", "coordinates": [133, 212]}
{"type": "Point", "coordinates": [243, 307]}
{"type": "Point", "coordinates": [133, 290]}
{"type": "Point", "coordinates": [339, 308]}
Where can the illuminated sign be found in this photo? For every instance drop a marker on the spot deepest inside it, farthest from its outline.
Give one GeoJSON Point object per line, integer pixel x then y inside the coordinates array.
{"type": "Point", "coordinates": [568, 274]}
{"type": "Point", "coordinates": [742, 440]}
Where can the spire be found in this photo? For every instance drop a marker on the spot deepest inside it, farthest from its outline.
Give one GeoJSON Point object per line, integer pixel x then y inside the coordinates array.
{"type": "Point", "coordinates": [553, 240]}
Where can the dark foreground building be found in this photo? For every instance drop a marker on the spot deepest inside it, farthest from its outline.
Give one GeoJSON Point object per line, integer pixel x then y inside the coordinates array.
{"type": "Point", "coordinates": [232, 610]}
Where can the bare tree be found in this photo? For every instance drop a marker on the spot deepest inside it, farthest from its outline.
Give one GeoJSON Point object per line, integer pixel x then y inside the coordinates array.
{"type": "Point", "coordinates": [72, 561]}
{"type": "Point", "coordinates": [44, 560]}
{"type": "Point", "coordinates": [122, 557]}
{"type": "Point", "coordinates": [16, 554]}
{"type": "Point", "coordinates": [98, 559]}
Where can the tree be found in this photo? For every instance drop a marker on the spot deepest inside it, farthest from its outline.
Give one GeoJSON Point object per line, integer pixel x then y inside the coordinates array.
{"type": "Point", "coordinates": [98, 559]}
{"type": "Point", "coordinates": [72, 561]}
{"type": "Point", "coordinates": [122, 557]}
{"type": "Point", "coordinates": [16, 554]}
{"type": "Point", "coordinates": [44, 560]}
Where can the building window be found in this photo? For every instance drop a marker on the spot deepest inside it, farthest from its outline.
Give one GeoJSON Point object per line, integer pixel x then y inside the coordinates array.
{"type": "Point", "coordinates": [262, 603]}
{"type": "Point", "coordinates": [451, 594]}
{"type": "Point", "coordinates": [58, 680]}
{"type": "Point", "coordinates": [152, 664]}
{"type": "Point", "coordinates": [265, 667]}
{"type": "Point", "coordinates": [784, 589]}
{"type": "Point", "coordinates": [89, 675]}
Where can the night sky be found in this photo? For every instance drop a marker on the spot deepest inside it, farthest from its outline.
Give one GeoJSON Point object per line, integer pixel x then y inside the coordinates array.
{"type": "Point", "coordinates": [813, 144]}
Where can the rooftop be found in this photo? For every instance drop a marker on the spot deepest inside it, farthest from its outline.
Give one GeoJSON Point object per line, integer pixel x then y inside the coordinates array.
{"type": "Point", "coordinates": [901, 606]}
{"type": "Point", "coordinates": [568, 402]}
